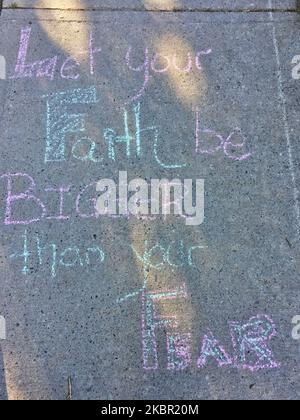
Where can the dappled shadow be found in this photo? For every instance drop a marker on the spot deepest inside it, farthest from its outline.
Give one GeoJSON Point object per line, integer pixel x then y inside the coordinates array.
{"type": "Point", "coordinates": [77, 324]}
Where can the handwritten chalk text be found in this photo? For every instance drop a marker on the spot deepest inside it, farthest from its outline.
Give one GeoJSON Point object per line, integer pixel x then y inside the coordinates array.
{"type": "Point", "coordinates": [102, 199]}
{"type": "Point", "coordinates": [61, 121]}
{"type": "Point", "coordinates": [41, 253]}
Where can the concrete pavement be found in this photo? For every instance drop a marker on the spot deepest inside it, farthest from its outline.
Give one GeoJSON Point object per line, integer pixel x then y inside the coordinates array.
{"type": "Point", "coordinates": [84, 297]}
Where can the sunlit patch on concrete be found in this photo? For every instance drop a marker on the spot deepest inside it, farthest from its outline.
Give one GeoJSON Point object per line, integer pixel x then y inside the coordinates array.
{"type": "Point", "coordinates": [161, 4]}
{"type": "Point", "coordinates": [71, 40]}
{"type": "Point", "coordinates": [187, 82]}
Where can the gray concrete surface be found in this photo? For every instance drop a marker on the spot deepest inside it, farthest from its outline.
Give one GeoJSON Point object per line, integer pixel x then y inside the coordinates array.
{"type": "Point", "coordinates": [160, 5]}
{"type": "Point", "coordinates": [74, 324]}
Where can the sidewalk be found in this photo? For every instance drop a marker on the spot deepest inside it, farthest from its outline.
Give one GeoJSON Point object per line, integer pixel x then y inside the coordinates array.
{"type": "Point", "coordinates": [161, 89]}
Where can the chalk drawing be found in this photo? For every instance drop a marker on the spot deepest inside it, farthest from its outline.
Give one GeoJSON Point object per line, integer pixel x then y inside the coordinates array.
{"type": "Point", "coordinates": [201, 54]}
{"type": "Point", "coordinates": [25, 254]}
{"type": "Point", "coordinates": [159, 58]}
{"type": "Point", "coordinates": [151, 322]}
{"type": "Point", "coordinates": [42, 68]}
{"type": "Point", "coordinates": [60, 122]}
{"type": "Point", "coordinates": [34, 209]}
{"type": "Point", "coordinates": [212, 349]}
{"type": "Point", "coordinates": [128, 139]}
{"type": "Point", "coordinates": [252, 339]}
{"type": "Point", "coordinates": [145, 68]}
{"type": "Point", "coordinates": [67, 69]}
{"type": "Point", "coordinates": [161, 64]}
{"type": "Point", "coordinates": [47, 67]}
{"type": "Point", "coordinates": [283, 104]}
{"type": "Point", "coordinates": [179, 347]}
{"type": "Point", "coordinates": [209, 142]}
{"type": "Point", "coordinates": [92, 52]}
{"type": "Point", "coordinates": [49, 254]}
{"type": "Point", "coordinates": [89, 156]}
{"type": "Point", "coordinates": [27, 196]}
{"type": "Point", "coordinates": [188, 68]}
{"type": "Point", "coordinates": [61, 191]}
{"type": "Point", "coordinates": [162, 255]}
{"type": "Point", "coordinates": [94, 213]}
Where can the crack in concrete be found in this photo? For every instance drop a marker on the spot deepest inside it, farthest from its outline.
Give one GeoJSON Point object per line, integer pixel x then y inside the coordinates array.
{"type": "Point", "coordinates": [295, 9]}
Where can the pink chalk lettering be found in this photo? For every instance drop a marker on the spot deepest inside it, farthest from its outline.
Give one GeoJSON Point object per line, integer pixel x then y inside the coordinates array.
{"type": "Point", "coordinates": [179, 351]}
{"type": "Point", "coordinates": [144, 67]}
{"type": "Point", "coordinates": [21, 69]}
{"type": "Point", "coordinates": [230, 147]}
{"type": "Point", "coordinates": [92, 52]}
{"type": "Point", "coordinates": [208, 142]}
{"type": "Point", "coordinates": [188, 68]}
{"type": "Point", "coordinates": [212, 348]}
{"type": "Point", "coordinates": [200, 54]}
{"type": "Point", "coordinates": [43, 68]}
{"type": "Point", "coordinates": [159, 58]}
{"type": "Point", "coordinates": [47, 67]}
{"type": "Point", "coordinates": [68, 71]}
{"type": "Point", "coordinates": [251, 344]}
{"type": "Point", "coordinates": [151, 321]}
{"type": "Point", "coordinates": [27, 196]}
{"type": "Point", "coordinates": [212, 135]}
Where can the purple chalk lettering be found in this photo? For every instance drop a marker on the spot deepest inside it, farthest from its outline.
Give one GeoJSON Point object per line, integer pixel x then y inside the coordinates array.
{"type": "Point", "coordinates": [43, 68]}
{"type": "Point", "coordinates": [251, 344]}
{"type": "Point", "coordinates": [27, 196]}
{"type": "Point", "coordinates": [47, 67]}
{"type": "Point", "coordinates": [188, 68]}
{"type": "Point", "coordinates": [212, 348]}
{"type": "Point", "coordinates": [199, 54]}
{"type": "Point", "coordinates": [179, 351]}
{"type": "Point", "coordinates": [68, 69]}
{"type": "Point", "coordinates": [151, 321]}
{"type": "Point", "coordinates": [21, 69]}
{"type": "Point", "coordinates": [158, 58]}
{"type": "Point", "coordinates": [144, 67]}
{"type": "Point", "coordinates": [230, 147]}
{"type": "Point", "coordinates": [92, 52]}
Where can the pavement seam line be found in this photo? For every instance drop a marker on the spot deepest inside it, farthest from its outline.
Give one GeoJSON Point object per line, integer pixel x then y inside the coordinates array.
{"type": "Point", "coordinates": [285, 122]}
{"type": "Point", "coordinates": [195, 10]}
